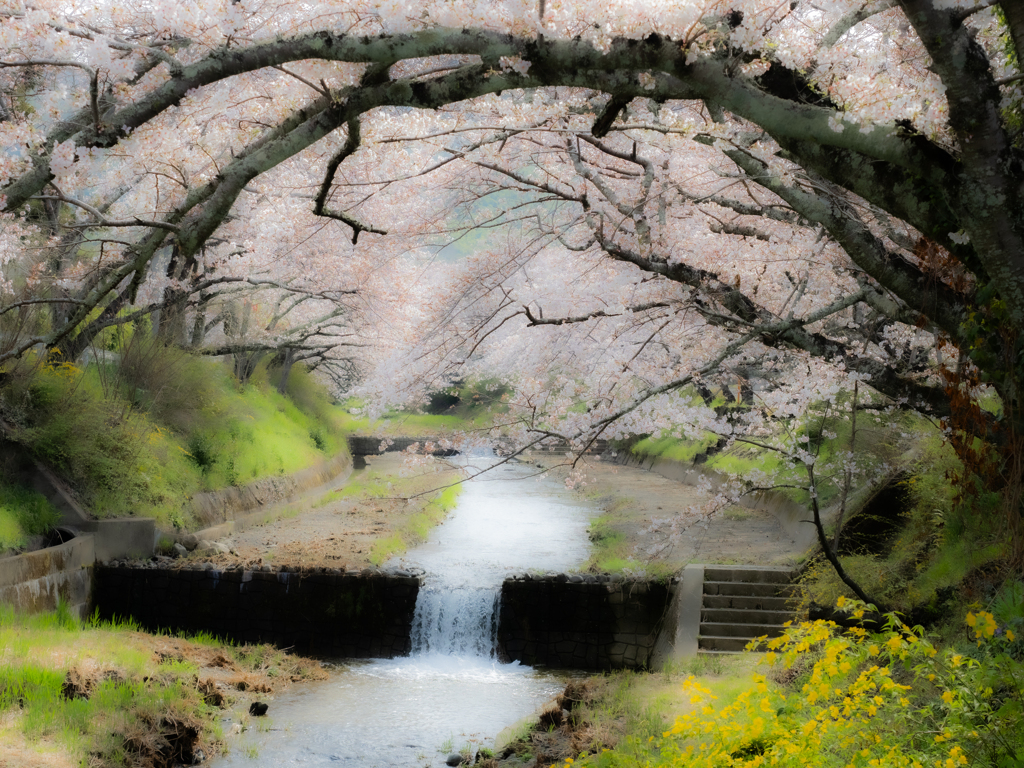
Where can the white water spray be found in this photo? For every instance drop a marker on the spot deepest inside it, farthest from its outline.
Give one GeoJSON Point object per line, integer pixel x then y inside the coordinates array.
{"type": "Point", "coordinates": [456, 621]}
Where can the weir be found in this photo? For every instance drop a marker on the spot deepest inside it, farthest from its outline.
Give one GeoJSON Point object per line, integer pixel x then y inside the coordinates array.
{"type": "Point", "coordinates": [456, 622]}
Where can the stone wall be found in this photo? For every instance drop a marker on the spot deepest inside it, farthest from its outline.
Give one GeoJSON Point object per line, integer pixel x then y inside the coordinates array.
{"type": "Point", "coordinates": [325, 612]}
{"type": "Point", "coordinates": [35, 581]}
{"type": "Point", "coordinates": [581, 622]}
{"type": "Point", "coordinates": [215, 507]}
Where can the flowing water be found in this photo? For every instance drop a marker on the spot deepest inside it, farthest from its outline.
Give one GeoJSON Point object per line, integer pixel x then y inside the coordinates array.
{"type": "Point", "coordinates": [451, 690]}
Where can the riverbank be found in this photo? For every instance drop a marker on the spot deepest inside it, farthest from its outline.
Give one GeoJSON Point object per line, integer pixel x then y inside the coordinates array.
{"type": "Point", "coordinates": [621, 711]}
{"type": "Point", "coordinates": [104, 694]}
{"type": "Point", "coordinates": [656, 525]}
{"type": "Point", "coordinates": [371, 515]}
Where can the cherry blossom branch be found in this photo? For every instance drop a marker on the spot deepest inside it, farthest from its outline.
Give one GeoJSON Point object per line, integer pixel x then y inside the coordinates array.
{"type": "Point", "coordinates": [320, 205]}
{"type": "Point", "coordinates": [101, 220]}
{"type": "Point", "coordinates": [611, 110]}
{"type": "Point", "coordinates": [30, 302]}
{"type": "Point", "coordinates": [826, 548]}
{"type": "Point", "coordinates": [534, 320]}
{"type": "Point", "coordinates": [1010, 79]}
{"type": "Point", "coordinates": [935, 301]}
{"type": "Point", "coordinates": [852, 19]}
{"type": "Point", "coordinates": [319, 89]}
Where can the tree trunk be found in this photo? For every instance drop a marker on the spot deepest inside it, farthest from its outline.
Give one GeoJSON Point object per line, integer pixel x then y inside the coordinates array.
{"type": "Point", "coordinates": [286, 368]}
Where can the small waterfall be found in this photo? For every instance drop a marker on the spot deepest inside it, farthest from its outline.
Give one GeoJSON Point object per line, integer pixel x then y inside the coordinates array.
{"type": "Point", "coordinates": [456, 621]}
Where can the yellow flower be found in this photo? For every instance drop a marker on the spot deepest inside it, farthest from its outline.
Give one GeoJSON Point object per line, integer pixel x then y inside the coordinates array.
{"type": "Point", "coordinates": [947, 697]}
{"type": "Point", "coordinates": [1010, 636]}
{"type": "Point", "coordinates": [840, 602]}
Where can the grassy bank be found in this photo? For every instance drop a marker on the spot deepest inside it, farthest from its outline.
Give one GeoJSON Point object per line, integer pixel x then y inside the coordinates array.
{"type": "Point", "coordinates": [907, 539]}
{"type": "Point", "coordinates": [428, 496]}
{"type": "Point", "coordinates": [826, 696]}
{"type": "Point", "coordinates": [103, 694]}
{"type": "Point", "coordinates": [141, 434]}
{"type": "Point", "coordinates": [23, 513]}
{"type": "Point", "coordinates": [617, 713]}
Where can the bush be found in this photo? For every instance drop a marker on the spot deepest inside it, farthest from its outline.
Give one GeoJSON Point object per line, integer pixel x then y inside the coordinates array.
{"type": "Point", "coordinates": [23, 513]}
{"type": "Point", "coordinates": [859, 699]}
{"type": "Point", "coordinates": [142, 432]}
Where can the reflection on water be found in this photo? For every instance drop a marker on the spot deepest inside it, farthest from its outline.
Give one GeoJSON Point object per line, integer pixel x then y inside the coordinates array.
{"type": "Point", "coordinates": [451, 691]}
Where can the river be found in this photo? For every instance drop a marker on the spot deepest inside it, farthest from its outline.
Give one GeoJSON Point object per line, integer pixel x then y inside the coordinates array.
{"type": "Point", "coordinates": [451, 691]}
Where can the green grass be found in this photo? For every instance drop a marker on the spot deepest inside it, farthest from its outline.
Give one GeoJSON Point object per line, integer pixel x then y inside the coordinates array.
{"type": "Point", "coordinates": [134, 693]}
{"type": "Point", "coordinates": [676, 449]}
{"type": "Point", "coordinates": [141, 436]}
{"type": "Point", "coordinates": [417, 527]}
{"type": "Point", "coordinates": [610, 551]}
{"type": "Point", "coordinates": [131, 689]}
{"type": "Point", "coordinates": [23, 513]}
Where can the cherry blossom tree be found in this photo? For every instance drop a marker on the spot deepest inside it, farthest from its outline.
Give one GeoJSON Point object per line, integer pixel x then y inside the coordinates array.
{"type": "Point", "coordinates": [787, 196]}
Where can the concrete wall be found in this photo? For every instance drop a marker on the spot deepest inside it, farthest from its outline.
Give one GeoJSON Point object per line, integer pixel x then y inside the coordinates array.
{"type": "Point", "coordinates": [35, 581]}
{"type": "Point", "coordinates": [216, 507]}
{"type": "Point", "coordinates": [322, 611]}
{"type": "Point", "coordinates": [561, 621]}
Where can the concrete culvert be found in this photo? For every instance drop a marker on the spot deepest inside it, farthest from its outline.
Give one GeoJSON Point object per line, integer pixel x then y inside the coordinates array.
{"type": "Point", "coordinates": [57, 536]}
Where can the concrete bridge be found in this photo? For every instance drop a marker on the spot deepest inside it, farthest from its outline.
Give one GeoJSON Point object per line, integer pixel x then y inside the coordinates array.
{"type": "Point", "coordinates": [362, 445]}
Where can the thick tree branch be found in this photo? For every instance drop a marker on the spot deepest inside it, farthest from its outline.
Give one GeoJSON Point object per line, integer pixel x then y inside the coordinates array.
{"type": "Point", "coordinates": [852, 19]}
{"type": "Point", "coordinates": [535, 320]}
{"type": "Point", "coordinates": [989, 193]}
{"type": "Point", "coordinates": [320, 204]}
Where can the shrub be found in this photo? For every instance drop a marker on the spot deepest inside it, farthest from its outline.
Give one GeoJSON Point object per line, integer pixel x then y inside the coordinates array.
{"type": "Point", "coordinates": [23, 513]}
{"type": "Point", "coordinates": [891, 698]}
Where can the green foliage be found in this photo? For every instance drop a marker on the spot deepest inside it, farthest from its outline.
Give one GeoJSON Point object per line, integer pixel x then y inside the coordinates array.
{"type": "Point", "coordinates": [677, 449]}
{"type": "Point", "coordinates": [23, 513]}
{"type": "Point", "coordinates": [892, 698]}
{"type": "Point", "coordinates": [150, 427]}
{"type": "Point", "coordinates": [938, 545]}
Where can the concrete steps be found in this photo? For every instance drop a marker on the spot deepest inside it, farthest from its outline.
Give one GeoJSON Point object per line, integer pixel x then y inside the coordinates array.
{"type": "Point", "coordinates": [740, 603]}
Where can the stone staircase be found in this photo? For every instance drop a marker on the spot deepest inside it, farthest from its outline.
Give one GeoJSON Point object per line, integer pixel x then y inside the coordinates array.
{"type": "Point", "coordinates": [740, 603]}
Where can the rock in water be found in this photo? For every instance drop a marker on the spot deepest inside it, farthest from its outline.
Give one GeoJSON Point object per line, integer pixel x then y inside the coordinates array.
{"type": "Point", "coordinates": [258, 709]}
{"type": "Point", "coordinates": [454, 759]}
